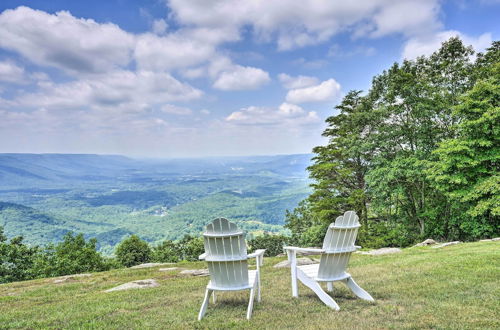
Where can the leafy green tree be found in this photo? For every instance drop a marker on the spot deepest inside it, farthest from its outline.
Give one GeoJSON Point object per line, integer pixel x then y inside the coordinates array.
{"type": "Point", "coordinates": [16, 259]}
{"type": "Point", "coordinates": [133, 251]}
{"type": "Point", "coordinates": [191, 247]}
{"type": "Point", "coordinates": [467, 168]}
{"type": "Point", "coordinates": [71, 256]}
{"type": "Point", "coordinates": [166, 251]}
{"type": "Point", "coordinates": [272, 243]}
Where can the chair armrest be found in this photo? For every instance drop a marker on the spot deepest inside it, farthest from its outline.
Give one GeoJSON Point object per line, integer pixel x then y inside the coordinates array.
{"type": "Point", "coordinates": [202, 256]}
{"type": "Point", "coordinates": [259, 254]}
{"type": "Point", "coordinates": [295, 249]}
{"type": "Point", "coordinates": [256, 253]}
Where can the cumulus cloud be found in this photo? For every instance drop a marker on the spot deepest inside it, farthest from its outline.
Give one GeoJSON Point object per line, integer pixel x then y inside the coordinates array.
{"type": "Point", "coordinates": [426, 45]}
{"type": "Point", "coordinates": [240, 77]}
{"type": "Point", "coordinates": [10, 72]}
{"type": "Point", "coordinates": [120, 90]}
{"type": "Point", "coordinates": [328, 90]}
{"type": "Point", "coordinates": [176, 110]}
{"type": "Point", "coordinates": [290, 82]}
{"type": "Point", "coordinates": [64, 41]}
{"type": "Point", "coordinates": [159, 26]}
{"type": "Point", "coordinates": [308, 22]}
{"type": "Point", "coordinates": [285, 115]}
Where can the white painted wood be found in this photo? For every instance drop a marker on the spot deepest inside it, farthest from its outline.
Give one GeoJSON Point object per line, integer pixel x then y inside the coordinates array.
{"type": "Point", "coordinates": [313, 285]}
{"type": "Point", "coordinates": [338, 246]}
{"type": "Point", "coordinates": [227, 260]}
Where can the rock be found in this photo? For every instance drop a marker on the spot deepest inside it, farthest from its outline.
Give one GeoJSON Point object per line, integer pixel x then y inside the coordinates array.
{"type": "Point", "coordinates": [168, 269]}
{"type": "Point", "coordinates": [140, 284]}
{"type": "Point", "coordinates": [67, 278]}
{"type": "Point", "coordinates": [490, 239]}
{"type": "Point", "coordinates": [446, 244]}
{"type": "Point", "coordinates": [195, 272]}
{"type": "Point", "coordinates": [427, 242]}
{"type": "Point", "coordinates": [300, 262]}
{"type": "Point", "coordinates": [381, 251]}
{"type": "Point", "coordinates": [151, 264]}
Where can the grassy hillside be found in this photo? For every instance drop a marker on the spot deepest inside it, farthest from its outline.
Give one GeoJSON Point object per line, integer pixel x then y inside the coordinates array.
{"type": "Point", "coordinates": [453, 287]}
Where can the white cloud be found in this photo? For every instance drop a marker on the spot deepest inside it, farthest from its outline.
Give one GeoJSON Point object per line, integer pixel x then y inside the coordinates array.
{"type": "Point", "coordinates": [290, 82]}
{"type": "Point", "coordinates": [10, 72]}
{"type": "Point", "coordinates": [64, 41]}
{"type": "Point", "coordinates": [176, 110]}
{"type": "Point", "coordinates": [170, 52]}
{"type": "Point", "coordinates": [285, 115]}
{"type": "Point", "coordinates": [159, 26]}
{"type": "Point", "coordinates": [328, 90]}
{"type": "Point", "coordinates": [302, 23]}
{"type": "Point", "coordinates": [428, 44]}
{"type": "Point", "coordinates": [241, 78]}
{"type": "Point", "coordinates": [118, 91]}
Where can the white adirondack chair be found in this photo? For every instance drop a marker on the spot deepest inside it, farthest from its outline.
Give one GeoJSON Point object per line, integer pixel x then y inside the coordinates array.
{"type": "Point", "coordinates": [226, 256]}
{"type": "Point", "coordinates": [338, 246]}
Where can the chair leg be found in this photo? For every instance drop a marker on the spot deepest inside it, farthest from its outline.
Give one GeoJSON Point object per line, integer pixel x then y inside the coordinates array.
{"type": "Point", "coordinates": [329, 286]}
{"type": "Point", "coordinates": [203, 308]}
{"type": "Point", "coordinates": [214, 298]}
{"type": "Point", "coordinates": [357, 290]}
{"type": "Point", "coordinates": [313, 285]}
{"type": "Point", "coordinates": [258, 287]}
{"type": "Point", "coordinates": [250, 303]}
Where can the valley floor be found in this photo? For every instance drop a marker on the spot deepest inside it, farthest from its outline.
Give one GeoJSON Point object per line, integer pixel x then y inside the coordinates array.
{"type": "Point", "coordinates": [452, 287]}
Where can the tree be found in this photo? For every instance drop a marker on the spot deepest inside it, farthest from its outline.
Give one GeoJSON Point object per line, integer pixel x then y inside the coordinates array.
{"type": "Point", "coordinates": [71, 256]}
{"type": "Point", "coordinates": [273, 244]}
{"type": "Point", "coordinates": [167, 251]}
{"type": "Point", "coordinates": [191, 247]}
{"type": "Point", "coordinates": [16, 259]}
{"type": "Point", "coordinates": [468, 166]}
{"type": "Point", "coordinates": [133, 251]}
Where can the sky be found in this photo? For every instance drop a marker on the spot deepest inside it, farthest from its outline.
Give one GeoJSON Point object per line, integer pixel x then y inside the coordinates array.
{"type": "Point", "coordinates": [196, 78]}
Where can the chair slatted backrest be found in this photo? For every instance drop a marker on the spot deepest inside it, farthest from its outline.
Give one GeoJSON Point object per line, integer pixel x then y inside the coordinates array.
{"type": "Point", "coordinates": [338, 245]}
{"type": "Point", "coordinates": [226, 254]}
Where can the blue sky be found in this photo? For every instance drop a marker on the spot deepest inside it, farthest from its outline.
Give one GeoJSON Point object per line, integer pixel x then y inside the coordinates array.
{"type": "Point", "coordinates": [186, 78]}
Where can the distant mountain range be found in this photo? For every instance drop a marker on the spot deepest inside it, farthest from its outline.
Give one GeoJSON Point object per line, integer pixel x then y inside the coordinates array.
{"type": "Point", "coordinates": [44, 196]}
{"type": "Point", "coordinates": [31, 170]}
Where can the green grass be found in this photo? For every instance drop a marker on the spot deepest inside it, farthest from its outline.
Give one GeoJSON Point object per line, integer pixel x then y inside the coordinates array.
{"type": "Point", "coordinates": [453, 287]}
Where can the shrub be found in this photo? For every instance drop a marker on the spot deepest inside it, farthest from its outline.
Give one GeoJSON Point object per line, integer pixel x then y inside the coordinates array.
{"type": "Point", "coordinates": [16, 259]}
{"type": "Point", "coordinates": [190, 247]}
{"type": "Point", "coordinates": [71, 256]}
{"type": "Point", "coordinates": [272, 243]}
{"type": "Point", "coordinates": [167, 251]}
{"type": "Point", "coordinates": [133, 251]}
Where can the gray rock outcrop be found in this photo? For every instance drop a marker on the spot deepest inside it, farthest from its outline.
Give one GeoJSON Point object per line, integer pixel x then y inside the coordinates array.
{"type": "Point", "coordinates": [140, 284]}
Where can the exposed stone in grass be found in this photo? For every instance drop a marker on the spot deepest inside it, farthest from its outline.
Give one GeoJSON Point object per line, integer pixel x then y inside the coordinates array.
{"type": "Point", "coordinates": [69, 278]}
{"type": "Point", "coordinates": [382, 251]}
{"type": "Point", "coordinates": [195, 272]}
{"type": "Point", "coordinates": [427, 242]}
{"type": "Point", "coordinates": [490, 239]}
{"type": "Point", "coordinates": [446, 244]}
{"type": "Point", "coordinates": [151, 264]}
{"type": "Point", "coordinates": [139, 284]}
{"type": "Point", "coordinates": [168, 269]}
{"type": "Point", "coordinates": [300, 262]}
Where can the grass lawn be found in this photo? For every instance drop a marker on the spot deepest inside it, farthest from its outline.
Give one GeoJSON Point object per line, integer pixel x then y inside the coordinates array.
{"type": "Point", "coordinates": [452, 287]}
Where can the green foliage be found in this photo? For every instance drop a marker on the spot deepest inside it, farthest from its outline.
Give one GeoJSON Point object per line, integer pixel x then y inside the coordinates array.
{"type": "Point", "coordinates": [272, 243]}
{"type": "Point", "coordinates": [467, 168]}
{"type": "Point", "coordinates": [190, 247]}
{"type": "Point", "coordinates": [71, 256]}
{"type": "Point", "coordinates": [166, 251]}
{"type": "Point", "coordinates": [415, 157]}
{"type": "Point", "coordinates": [16, 259]}
{"type": "Point", "coordinates": [133, 251]}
